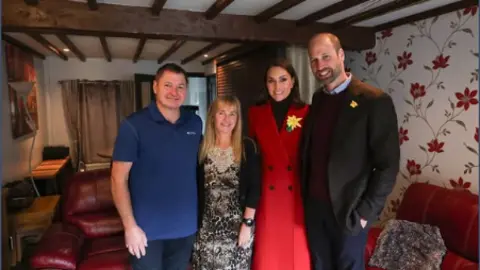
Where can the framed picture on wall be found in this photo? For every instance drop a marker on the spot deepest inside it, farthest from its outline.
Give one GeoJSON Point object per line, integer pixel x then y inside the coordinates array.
{"type": "Point", "coordinates": [20, 68]}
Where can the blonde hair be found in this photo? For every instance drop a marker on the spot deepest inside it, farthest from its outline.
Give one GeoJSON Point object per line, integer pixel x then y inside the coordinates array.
{"type": "Point", "coordinates": [210, 137]}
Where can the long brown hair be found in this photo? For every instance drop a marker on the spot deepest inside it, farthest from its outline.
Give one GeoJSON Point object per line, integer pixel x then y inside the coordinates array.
{"type": "Point", "coordinates": [210, 135]}
{"type": "Point", "coordinates": [286, 65]}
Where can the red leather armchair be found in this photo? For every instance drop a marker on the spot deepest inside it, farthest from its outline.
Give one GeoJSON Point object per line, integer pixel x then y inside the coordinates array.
{"type": "Point", "coordinates": [91, 233]}
{"type": "Point", "coordinates": [454, 212]}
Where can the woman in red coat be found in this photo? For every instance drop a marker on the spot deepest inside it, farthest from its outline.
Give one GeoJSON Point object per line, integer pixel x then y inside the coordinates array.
{"type": "Point", "coordinates": [280, 239]}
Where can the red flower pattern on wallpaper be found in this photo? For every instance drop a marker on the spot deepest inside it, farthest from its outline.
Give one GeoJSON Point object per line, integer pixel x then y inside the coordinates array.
{"type": "Point", "coordinates": [440, 62]}
{"type": "Point", "coordinates": [421, 99]}
{"type": "Point", "coordinates": [466, 99]}
{"type": "Point", "coordinates": [417, 90]}
{"type": "Point", "coordinates": [370, 58]}
{"type": "Point", "coordinates": [404, 60]}
{"type": "Point", "coordinates": [403, 135]}
{"type": "Point", "coordinates": [435, 146]}
{"type": "Point", "coordinates": [460, 184]}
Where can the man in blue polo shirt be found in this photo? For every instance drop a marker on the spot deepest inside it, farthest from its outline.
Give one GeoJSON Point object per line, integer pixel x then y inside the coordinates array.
{"type": "Point", "coordinates": [154, 176]}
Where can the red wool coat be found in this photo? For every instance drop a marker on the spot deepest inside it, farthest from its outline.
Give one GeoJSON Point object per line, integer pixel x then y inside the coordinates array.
{"type": "Point", "coordinates": [280, 237]}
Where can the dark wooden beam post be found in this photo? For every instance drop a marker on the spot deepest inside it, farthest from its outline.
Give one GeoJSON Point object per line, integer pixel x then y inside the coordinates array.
{"type": "Point", "coordinates": [276, 9]}
{"type": "Point", "coordinates": [138, 52]}
{"type": "Point", "coordinates": [375, 12]}
{"type": "Point", "coordinates": [175, 46]}
{"type": "Point", "coordinates": [158, 6]}
{"type": "Point", "coordinates": [74, 49]}
{"type": "Point", "coordinates": [202, 51]}
{"type": "Point", "coordinates": [216, 8]}
{"type": "Point", "coordinates": [92, 4]}
{"type": "Point", "coordinates": [427, 14]}
{"type": "Point", "coordinates": [22, 46]}
{"type": "Point", "coordinates": [49, 46]}
{"type": "Point", "coordinates": [31, 2]}
{"type": "Point", "coordinates": [72, 18]}
{"type": "Point", "coordinates": [330, 10]}
{"type": "Point", "coordinates": [106, 51]}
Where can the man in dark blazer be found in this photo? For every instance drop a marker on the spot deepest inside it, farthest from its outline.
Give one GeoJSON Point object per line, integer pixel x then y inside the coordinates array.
{"type": "Point", "coordinates": [349, 159]}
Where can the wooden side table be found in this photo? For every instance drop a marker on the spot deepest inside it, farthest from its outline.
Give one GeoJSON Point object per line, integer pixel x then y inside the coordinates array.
{"type": "Point", "coordinates": [49, 169]}
{"type": "Point", "coordinates": [33, 221]}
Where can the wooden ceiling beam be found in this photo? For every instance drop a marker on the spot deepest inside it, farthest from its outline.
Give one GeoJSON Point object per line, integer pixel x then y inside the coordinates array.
{"type": "Point", "coordinates": [72, 18]}
{"type": "Point", "coordinates": [74, 49]}
{"type": "Point", "coordinates": [375, 12]}
{"type": "Point", "coordinates": [175, 46]}
{"type": "Point", "coordinates": [49, 46]}
{"type": "Point", "coordinates": [22, 46]}
{"type": "Point", "coordinates": [31, 2]}
{"type": "Point", "coordinates": [158, 6]}
{"type": "Point", "coordinates": [92, 4]}
{"type": "Point", "coordinates": [138, 52]}
{"type": "Point", "coordinates": [330, 10]}
{"type": "Point", "coordinates": [276, 9]}
{"type": "Point", "coordinates": [427, 14]}
{"type": "Point", "coordinates": [200, 52]}
{"type": "Point", "coordinates": [216, 8]}
{"type": "Point", "coordinates": [106, 50]}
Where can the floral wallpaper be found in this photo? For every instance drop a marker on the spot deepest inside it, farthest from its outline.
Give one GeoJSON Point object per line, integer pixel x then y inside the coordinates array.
{"type": "Point", "coordinates": [430, 68]}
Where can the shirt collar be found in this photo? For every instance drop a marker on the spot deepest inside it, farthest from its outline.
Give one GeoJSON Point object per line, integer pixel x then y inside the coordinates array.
{"type": "Point", "coordinates": [341, 87]}
{"type": "Point", "coordinates": [157, 116]}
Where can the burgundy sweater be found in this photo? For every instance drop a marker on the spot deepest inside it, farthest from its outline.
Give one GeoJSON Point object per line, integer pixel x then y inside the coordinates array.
{"type": "Point", "coordinates": [325, 119]}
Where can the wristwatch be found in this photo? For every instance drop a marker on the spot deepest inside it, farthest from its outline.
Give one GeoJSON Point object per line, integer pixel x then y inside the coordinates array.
{"type": "Point", "coordinates": [248, 221]}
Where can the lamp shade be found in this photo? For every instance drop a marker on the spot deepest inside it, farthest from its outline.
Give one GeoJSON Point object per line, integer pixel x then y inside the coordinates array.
{"type": "Point", "coordinates": [22, 88]}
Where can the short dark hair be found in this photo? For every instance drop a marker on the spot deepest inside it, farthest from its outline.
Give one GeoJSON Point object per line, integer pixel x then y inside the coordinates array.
{"type": "Point", "coordinates": [172, 67]}
{"type": "Point", "coordinates": [285, 64]}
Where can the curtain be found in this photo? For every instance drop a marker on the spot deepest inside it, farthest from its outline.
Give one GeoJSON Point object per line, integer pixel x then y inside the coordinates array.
{"type": "Point", "coordinates": [71, 107]}
{"type": "Point", "coordinates": [298, 56]}
{"type": "Point", "coordinates": [93, 111]}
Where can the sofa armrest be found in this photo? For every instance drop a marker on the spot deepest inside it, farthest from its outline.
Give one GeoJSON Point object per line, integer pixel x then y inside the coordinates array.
{"type": "Point", "coordinates": [59, 248]}
{"type": "Point", "coordinates": [373, 235]}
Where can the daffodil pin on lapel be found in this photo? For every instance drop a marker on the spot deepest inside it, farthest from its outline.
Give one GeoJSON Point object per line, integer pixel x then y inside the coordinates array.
{"type": "Point", "coordinates": [293, 122]}
{"type": "Point", "coordinates": [353, 104]}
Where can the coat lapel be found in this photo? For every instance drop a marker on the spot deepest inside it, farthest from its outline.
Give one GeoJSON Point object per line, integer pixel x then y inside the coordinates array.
{"type": "Point", "coordinates": [352, 109]}
{"type": "Point", "coordinates": [272, 129]}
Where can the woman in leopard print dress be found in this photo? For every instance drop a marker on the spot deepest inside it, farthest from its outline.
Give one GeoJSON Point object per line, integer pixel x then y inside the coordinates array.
{"type": "Point", "coordinates": [229, 190]}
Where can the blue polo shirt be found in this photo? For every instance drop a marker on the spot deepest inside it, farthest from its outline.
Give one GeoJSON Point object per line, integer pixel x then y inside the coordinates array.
{"type": "Point", "coordinates": [162, 183]}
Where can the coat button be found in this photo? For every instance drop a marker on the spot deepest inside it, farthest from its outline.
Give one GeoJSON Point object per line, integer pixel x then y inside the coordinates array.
{"type": "Point", "coordinates": [272, 187]}
{"type": "Point", "coordinates": [289, 167]}
{"type": "Point", "coordinates": [270, 167]}
{"type": "Point", "coordinates": [290, 187]}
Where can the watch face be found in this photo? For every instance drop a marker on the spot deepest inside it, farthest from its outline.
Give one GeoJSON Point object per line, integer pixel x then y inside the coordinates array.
{"type": "Point", "coordinates": [248, 221]}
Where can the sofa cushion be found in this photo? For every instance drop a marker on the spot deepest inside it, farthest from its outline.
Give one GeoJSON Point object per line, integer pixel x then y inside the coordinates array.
{"type": "Point", "coordinates": [408, 245]}
{"type": "Point", "coordinates": [59, 248]}
{"type": "Point", "coordinates": [117, 260]}
{"type": "Point", "coordinates": [105, 244]}
{"type": "Point", "coordinates": [454, 212]}
{"type": "Point", "coordinates": [99, 224]}
{"type": "Point", "coordinates": [454, 262]}
{"type": "Point", "coordinates": [89, 192]}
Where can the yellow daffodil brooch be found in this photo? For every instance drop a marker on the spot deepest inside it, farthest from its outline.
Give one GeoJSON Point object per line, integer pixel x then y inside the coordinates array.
{"type": "Point", "coordinates": [293, 122]}
{"type": "Point", "coordinates": [353, 104]}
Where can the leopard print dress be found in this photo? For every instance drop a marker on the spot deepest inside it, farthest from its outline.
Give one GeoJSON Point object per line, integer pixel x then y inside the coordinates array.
{"type": "Point", "coordinates": [216, 245]}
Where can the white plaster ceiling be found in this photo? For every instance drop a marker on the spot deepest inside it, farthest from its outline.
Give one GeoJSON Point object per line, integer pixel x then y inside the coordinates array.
{"type": "Point", "coordinates": [123, 48]}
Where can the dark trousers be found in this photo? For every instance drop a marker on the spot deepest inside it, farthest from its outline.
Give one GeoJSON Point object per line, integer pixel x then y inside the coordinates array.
{"type": "Point", "coordinates": [169, 254]}
{"type": "Point", "coordinates": [331, 247]}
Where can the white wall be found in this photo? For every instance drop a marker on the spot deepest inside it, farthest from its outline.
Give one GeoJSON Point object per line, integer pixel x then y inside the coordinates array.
{"type": "Point", "coordinates": [93, 69]}
{"type": "Point", "coordinates": [15, 153]}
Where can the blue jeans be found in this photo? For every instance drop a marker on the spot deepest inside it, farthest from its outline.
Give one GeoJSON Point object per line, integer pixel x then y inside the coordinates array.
{"type": "Point", "coordinates": [168, 254]}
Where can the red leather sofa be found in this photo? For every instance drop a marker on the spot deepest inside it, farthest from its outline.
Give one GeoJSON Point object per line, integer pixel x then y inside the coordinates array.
{"type": "Point", "coordinates": [454, 212]}
{"type": "Point", "coordinates": [90, 235]}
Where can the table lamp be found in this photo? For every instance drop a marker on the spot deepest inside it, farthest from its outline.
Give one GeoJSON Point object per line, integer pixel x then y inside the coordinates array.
{"type": "Point", "coordinates": [23, 89]}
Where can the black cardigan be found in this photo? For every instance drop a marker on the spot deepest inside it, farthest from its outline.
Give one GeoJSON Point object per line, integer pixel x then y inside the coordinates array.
{"type": "Point", "coordinates": [250, 179]}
